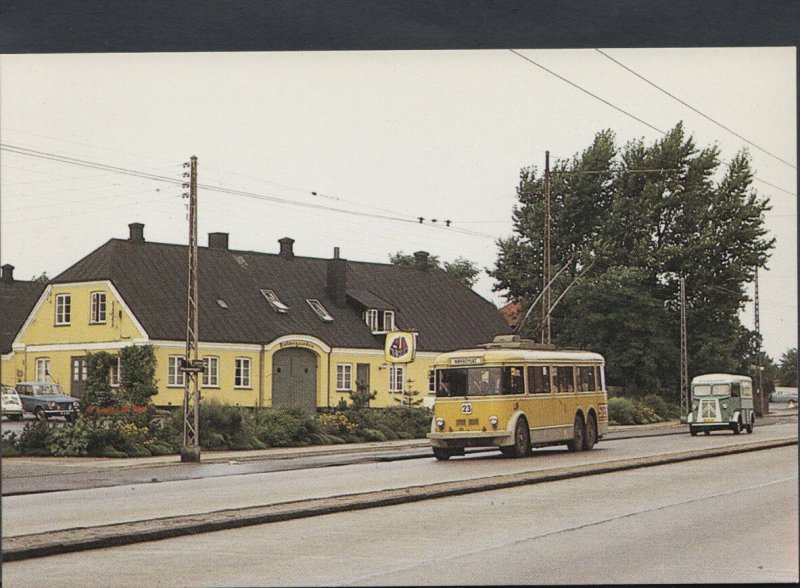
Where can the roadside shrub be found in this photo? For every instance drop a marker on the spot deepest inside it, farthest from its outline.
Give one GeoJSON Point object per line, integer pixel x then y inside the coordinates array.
{"type": "Point", "coordinates": [8, 445]}
{"type": "Point", "coordinates": [278, 427]}
{"type": "Point", "coordinates": [626, 411]}
{"type": "Point", "coordinates": [35, 438]}
{"type": "Point", "coordinates": [664, 409]}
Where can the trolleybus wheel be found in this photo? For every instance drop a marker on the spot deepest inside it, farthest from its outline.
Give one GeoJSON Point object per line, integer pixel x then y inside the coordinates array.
{"type": "Point", "coordinates": [522, 441]}
{"type": "Point", "coordinates": [591, 433]}
{"type": "Point", "coordinates": [441, 453]}
{"type": "Point", "coordinates": [692, 431]}
{"type": "Point", "coordinates": [578, 434]}
{"type": "Point", "coordinates": [737, 426]}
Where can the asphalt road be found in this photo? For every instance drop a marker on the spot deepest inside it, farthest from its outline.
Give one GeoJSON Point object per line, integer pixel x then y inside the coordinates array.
{"type": "Point", "coordinates": [37, 513]}
{"type": "Point", "coordinates": [32, 475]}
{"type": "Point", "coordinates": [725, 519]}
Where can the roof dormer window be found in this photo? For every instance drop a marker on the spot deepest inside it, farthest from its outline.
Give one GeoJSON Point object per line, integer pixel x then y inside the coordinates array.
{"type": "Point", "coordinates": [371, 318]}
{"type": "Point", "coordinates": [317, 307]}
{"type": "Point", "coordinates": [274, 302]}
{"type": "Point", "coordinates": [388, 320]}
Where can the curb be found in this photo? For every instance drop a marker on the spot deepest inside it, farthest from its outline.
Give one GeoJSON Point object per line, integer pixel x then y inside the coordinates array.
{"type": "Point", "coordinates": [80, 539]}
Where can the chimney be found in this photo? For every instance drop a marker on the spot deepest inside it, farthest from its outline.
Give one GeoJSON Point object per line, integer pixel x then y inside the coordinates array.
{"type": "Point", "coordinates": [336, 286]}
{"type": "Point", "coordinates": [286, 247]}
{"type": "Point", "coordinates": [218, 240]}
{"type": "Point", "coordinates": [137, 232]}
{"type": "Point", "coordinates": [8, 273]}
{"type": "Point", "coordinates": [421, 260]}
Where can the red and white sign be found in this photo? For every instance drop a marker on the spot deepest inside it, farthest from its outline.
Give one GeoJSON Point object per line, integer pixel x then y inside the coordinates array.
{"type": "Point", "coordinates": [400, 347]}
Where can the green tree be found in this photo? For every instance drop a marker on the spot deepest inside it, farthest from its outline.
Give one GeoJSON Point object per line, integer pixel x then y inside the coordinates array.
{"type": "Point", "coordinates": [98, 390]}
{"type": "Point", "coordinates": [462, 269]}
{"type": "Point", "coordinates": [657, 209]}
{"type": "Point", "coordinates": [788, 368]}
{"type": "Point", "coordinates": [138, 370]}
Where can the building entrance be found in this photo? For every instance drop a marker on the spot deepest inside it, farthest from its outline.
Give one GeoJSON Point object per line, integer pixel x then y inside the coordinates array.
{"type": "Point", "coordinates": [294, 379]}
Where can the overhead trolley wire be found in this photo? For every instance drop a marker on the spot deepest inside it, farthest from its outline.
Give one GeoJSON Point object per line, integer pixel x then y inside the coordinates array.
{"type": "Point", "coordinates": [693, 109]}
{"type": "Point", "coordinates": [626, 113]}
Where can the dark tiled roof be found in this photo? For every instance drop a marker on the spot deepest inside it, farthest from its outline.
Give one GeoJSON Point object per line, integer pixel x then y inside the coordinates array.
{"type": "Point", "coordinates": [151, 277]}
{"type": "Point", "coordinates": [17, 299]}
{"type": "Point", "coordinates": [368, 300]}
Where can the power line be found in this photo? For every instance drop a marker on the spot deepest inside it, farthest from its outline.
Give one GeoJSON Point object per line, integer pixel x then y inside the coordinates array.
{"type": "Point", "coordinates": [692, 108]}
{"type": "Point", "coordinates": [626, 113]}
{"type": "Point", "coordinates": [243, 193]}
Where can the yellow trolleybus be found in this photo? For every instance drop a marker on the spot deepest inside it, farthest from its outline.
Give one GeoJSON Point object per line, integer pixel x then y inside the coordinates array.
{"type": "Point", "coordinates": [516, 394]}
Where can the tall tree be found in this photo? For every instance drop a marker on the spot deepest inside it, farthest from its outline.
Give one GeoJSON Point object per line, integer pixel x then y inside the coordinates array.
{"type": "Point", "coordinates": [656, 209]}
{"type": "Point", "coordinates": [788, 368]}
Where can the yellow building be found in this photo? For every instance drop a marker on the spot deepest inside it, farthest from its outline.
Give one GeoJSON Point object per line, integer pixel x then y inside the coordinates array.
{"type": "Point", "coordinates": [275, 329]}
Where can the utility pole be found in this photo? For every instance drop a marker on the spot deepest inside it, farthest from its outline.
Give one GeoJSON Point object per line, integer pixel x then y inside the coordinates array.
{"type": "Point", "coordinates": [546, 254]}
{"type": "Point", "coordinates": [191, 366]}
{"type": "Point", "coordinates": [761, 404]}
{"type": "Point", "coordinates": [685, 404]}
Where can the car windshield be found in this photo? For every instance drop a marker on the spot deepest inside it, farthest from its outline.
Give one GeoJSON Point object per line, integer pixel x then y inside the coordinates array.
{"type": "Point", "coordinates": [47, 390]}
{"type": "Point", "coordinates": [712, 390]}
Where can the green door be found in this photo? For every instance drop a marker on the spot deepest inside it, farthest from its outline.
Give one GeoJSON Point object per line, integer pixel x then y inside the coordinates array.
{"type": "Point", "coordinates": [294, 379]}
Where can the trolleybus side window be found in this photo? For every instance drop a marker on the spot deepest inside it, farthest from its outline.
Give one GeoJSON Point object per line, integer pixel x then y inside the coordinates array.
{"type": "Point", "coordinates": [480, 381]}
{"type": "Point", "coordinates": [565, 379]}
{"type": "Point", "coordinates": [586, 379]}
{"type": "Point", "coordinates": [513, 381]}
{"type": "Point", "coordinates": [538, 379]}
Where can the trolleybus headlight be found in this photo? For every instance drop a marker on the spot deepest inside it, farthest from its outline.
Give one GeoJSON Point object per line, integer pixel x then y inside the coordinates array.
{"type": "Point", "coordinates": [440, 423]}
{"type": "Point", "coordinates": [493, 420]}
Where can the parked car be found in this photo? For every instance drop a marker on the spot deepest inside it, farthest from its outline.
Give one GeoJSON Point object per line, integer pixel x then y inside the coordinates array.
{"type": "Point", "coordinates": [784, 394]}
{"type": "Point", "coordinates": [12, 405]}
{"type": "Point", "coordinates": [45, 399]}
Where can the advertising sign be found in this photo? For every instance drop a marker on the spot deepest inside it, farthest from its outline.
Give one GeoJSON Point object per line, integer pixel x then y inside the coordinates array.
{"type": "Point", "coordinates": [400, 347]}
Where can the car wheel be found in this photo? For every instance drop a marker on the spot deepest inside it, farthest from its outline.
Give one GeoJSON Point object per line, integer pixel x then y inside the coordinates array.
{"type": "Point", "coordinates": [591, 433]}
{"type": "Point", "coordinates": [737, 426]}
{"type": "Point", "coordinates": [69, 417]}
{"type": "Point", "coordinates": [578, 434]}
{"type": "Point", "coordinates": [692, 431]}
{"type": "Point", "coordinates": [441, 453]}
{"type": "Point", "coordinates": [40, 414]}
{"type": "Point", "coordinates": [706, 432]}
{"type": "Point", "coordinates": [749, 426]}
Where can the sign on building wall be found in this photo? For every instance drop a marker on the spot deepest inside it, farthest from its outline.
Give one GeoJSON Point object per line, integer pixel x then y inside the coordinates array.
{"type": "Point", "coordinates": [400, 347]}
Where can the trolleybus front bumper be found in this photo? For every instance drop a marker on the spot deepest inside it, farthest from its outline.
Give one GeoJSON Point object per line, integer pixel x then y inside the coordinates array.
{"type": "Point", "coordinates": [457, 439]}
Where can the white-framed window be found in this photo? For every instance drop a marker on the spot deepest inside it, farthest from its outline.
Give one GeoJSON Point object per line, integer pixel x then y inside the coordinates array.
{"type": "Point", "coordinates": [98, 314]}
{"type": "Point", "coordinates": [371, 318]}
{"type": "Point", "coordinates": [114, 373]}
{"type": "Point", "coordinates": [432, 381]}
{"type": "Point", "coordinates": [397, 378]}
{"type": "Point", "coordinates": [63, 309]}
{"type": "Point", "coordinates": [211, 372]}
{"type": "Point", "coordinates": [175, 377]}
{"type": "Point", "coordinates": [241, 376]}
{"type": "Point", "coordinates": [274, 302]}
{"type": "Point", "coordinates": [344, 377]}
{"type": "Point", "coordinates": [317, 307]}
{"type": "Point", "coordinates": [388, 320]}
{"type": "Point", "coordinates": [43, 369]}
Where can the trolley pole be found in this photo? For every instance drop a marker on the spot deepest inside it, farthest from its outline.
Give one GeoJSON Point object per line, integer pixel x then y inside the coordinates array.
{"type": "Point", "coordinates": [191, 366]}
{"type": "Point", "coordinates": [546, 254]}
{"type": "Point", "coordinates": [684, 357]}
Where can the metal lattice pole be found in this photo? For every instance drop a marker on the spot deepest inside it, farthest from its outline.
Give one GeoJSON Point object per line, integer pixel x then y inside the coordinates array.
{"type": "Point", "coordinates": [684, 356]}
{"type": "Point", "coordinates": [191, 391]}
{"type": "Point", "coordinates": [761, 404]}
{"type": "Point", "coordinates": [546, 253]}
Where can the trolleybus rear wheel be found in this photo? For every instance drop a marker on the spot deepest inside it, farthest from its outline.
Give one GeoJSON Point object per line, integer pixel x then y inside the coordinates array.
{"type": "Point", "coordinates": [591, 433]}
{"type": "Point", "coordinates": [578, 434]}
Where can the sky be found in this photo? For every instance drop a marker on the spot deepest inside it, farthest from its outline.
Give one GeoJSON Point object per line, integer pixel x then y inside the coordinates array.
{"type": "Point", "coordinates": [349, 149]}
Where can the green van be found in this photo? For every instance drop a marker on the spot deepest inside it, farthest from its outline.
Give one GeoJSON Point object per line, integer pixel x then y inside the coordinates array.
{"type": "Point", "coordinates": [721, 401]}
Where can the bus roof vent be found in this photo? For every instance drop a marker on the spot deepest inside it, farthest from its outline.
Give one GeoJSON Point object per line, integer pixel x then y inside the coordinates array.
{"type": "Point", "coordinates": [514, 342]}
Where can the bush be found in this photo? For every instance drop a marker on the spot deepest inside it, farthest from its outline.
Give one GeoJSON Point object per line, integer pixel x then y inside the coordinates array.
{"type": "Point", "coordinates": [625, 411]}
{"type": "Point", "coordinates": [277, 427]}
{"type": "Point", "coordinates": [664, 409]}
{"type": "Point", "coordinates": [35, 438]}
